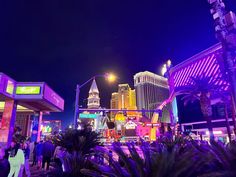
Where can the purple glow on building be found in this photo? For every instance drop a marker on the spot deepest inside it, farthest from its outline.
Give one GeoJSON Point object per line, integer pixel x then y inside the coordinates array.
{"type": "Point", "coordinates": [207, 62]}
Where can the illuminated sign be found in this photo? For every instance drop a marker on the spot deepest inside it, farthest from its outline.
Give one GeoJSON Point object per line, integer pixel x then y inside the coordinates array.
{"type": "Point", "coordinates": [120, 117]}
{"type": "Point", "coordinates": [46, 129]}
{"type": "Point", "coordinates": [27, 90]}
{"type": "Point", "coordinates": [88, 116]}
{"type": "Point", "coordinates": [10, 87]}
{"type": "Point", "coordinates": [152, 125]}
{"type": "Point", "coordinates": [130, 125]}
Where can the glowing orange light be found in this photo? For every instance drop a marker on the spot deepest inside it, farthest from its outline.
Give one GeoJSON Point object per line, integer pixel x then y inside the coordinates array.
{"type": "Point", "coordinates": [110, 77]}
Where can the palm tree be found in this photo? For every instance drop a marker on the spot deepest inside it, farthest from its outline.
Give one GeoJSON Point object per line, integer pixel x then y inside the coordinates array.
{"type": "Point", "coordinates": [204, 88]}
{"type": "Point", "coordinates": [77, 145]}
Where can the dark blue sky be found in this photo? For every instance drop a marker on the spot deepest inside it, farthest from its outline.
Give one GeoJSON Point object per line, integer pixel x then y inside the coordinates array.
{"type": "Point", "coordinates": [67, 42]}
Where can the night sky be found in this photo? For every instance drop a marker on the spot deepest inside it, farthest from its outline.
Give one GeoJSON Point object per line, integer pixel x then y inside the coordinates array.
{"type": "Point", "coordinates": [67, 42]}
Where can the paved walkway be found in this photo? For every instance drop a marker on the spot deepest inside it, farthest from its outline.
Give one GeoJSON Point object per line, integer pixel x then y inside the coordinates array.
{"type": "Point", "coordinates": [35, 172]}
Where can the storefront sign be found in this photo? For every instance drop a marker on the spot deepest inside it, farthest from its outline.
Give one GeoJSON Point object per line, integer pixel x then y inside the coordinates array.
{"type": "Point", "coordinates": [28, 90]}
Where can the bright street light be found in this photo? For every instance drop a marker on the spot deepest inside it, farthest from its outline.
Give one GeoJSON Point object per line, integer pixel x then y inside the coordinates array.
{"type": "Point", "coordinates": [110, 77]}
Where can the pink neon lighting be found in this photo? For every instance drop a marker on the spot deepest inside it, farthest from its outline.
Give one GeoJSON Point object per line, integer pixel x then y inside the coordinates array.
{"type": "Point", "coordinates": [186, 78]}
{"type": "Point", "coordinates": [202, 67]}
{"type": "Point", "coordinates": [211, 67]}
{"type": "Point", "coordinates": [183, 77]}
{"type": "Point", "coordinates": [206, 67]}
{"type": "Point", "coordinates": [199, 68]}
{"type": "Point", "coordinates": [177, 81]}
{"type": "Point", "coordinates": [214, 69]}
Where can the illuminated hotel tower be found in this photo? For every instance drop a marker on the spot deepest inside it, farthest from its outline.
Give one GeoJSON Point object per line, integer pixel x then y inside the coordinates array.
{"type": "Point", "coordinates": [125, 98]}
{"type": "Point", "coordinates": [93, 99]}
{"type": "Point", "coordinates": [151, 90]}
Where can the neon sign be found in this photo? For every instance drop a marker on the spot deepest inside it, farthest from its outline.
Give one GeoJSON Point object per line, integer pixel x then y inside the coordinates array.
{"type": "Point", "coordinates": [27, 90]}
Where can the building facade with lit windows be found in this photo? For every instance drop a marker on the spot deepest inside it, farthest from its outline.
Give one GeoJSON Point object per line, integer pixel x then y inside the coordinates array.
{"type": "Point", "coordinates": [125, 98]}
{"type": "Point", "coordinates": [151, 91]}
{"type": "Point", "coordinates": [114, 104]}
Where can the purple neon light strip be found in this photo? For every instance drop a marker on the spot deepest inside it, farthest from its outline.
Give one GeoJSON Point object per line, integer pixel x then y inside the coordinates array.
{"type": "Point", "coordinates": [211, 66]}
{"type": "Point", "coordinates": [198, 64]}
{"type": "Point", "coordinates": [177, 81]}
{"type": "Point", "coordinates": [183, 76]}
{"type": "Point", "coordinates": [214, 73]}
{"type": "Point", "coordinates": [187, 78]}
{"type": "Point", "coordinates": [202, 67]}
{"type": "Point", "coordinates": [209, 60]}
{"type": "Point", "coordinates": [194, 73]}
{"type": "Point", "coordinates": [178, 78]}
{"type": "Point", "coordinates": [176, 74]}
{"type": "Point", "coordinates": [199, 67]}
{"type": "Point", "coordinates": [213, 69]}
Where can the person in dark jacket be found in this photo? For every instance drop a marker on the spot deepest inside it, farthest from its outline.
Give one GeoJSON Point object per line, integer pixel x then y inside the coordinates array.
{"type": "Point", "coordinates": [4, 164]}
{"type": "Point", "coordinates": [47, 152]}
{"type": "Point", "coordinates": [39, 157]}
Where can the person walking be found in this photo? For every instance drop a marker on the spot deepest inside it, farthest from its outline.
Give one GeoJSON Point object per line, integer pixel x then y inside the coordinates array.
{"type": "Point", "coordinates": [39, 157]}
{"type": "Point", "coordinates": [26, 167]}
{"type": "Point", "coordinates": [47, 152]}
{"type": "Point", "coordinates": [34, 154]}
{"type": "Point", "coordinates": [16, 159]}
{"type": "Point", "coordinates": [4, 164]}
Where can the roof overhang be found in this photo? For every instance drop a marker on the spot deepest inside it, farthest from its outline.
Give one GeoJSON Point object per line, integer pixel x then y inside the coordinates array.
{"type": "Point", "coordinates": [36, 96]}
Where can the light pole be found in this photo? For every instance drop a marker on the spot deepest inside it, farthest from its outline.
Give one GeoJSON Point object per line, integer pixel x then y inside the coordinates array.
{"type": "Point", "coordinates": [108, 76]}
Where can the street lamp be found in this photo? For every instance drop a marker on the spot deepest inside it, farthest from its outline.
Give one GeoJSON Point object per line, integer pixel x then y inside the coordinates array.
{"type": "Point", "coordinates": [108, 76]}
{"type": "Point", "coordinates": [165, 68]}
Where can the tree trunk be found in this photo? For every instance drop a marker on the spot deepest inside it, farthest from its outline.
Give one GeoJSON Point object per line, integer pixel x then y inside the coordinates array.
{"type": "Point", "coordinates": [227, 122]}
{"type": "Point", "coordinates": [206, 109]}
{"type": "Point", "coordinates": [210, 129]}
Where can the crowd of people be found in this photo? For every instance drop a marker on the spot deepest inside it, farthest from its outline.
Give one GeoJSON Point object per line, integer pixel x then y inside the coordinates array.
{"type": "Point", "coordinates": [16, 159]}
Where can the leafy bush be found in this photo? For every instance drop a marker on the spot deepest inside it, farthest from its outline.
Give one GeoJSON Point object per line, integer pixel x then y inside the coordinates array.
{"type": "Point", "coordinates": [167, 158]}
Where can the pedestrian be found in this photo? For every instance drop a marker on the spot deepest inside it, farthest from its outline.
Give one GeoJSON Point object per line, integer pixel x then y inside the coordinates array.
{"type": "Point", "coordinates": [34, 154]}
{"type": "Point", "coordinates": [58, 155]}
{"type": "Point", "coordinates": [26, 167]}
{"type": "Point", "coordinates": [4, 164]}
{"type": "Point", "coordinates": [39, 157]}
{"type": "Point", "coordinates": [47, 152]}
{"type": "Point", "coordinates": [16, 159]}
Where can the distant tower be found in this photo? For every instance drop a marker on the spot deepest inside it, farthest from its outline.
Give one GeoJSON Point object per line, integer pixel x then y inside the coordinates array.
{"type": "Point", "coordinates": [93, 99]}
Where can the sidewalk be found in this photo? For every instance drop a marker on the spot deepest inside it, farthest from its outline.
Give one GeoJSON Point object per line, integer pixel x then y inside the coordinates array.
{"type": "Point", "coordinates": [35, 172]}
